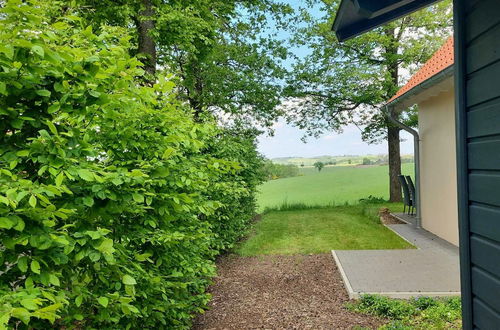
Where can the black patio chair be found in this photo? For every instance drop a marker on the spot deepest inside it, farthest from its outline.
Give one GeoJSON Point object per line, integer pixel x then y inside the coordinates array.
{"type": "Point", "coordinates": [406, 194]}
{"type": "Point", "coordinates": [411, 187]}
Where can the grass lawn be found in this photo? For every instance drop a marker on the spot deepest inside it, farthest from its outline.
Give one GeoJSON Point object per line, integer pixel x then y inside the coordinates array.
{"type": "Point", "coordinates": [332, 186]}
{"type": "Point", "coordinates": [319, 230]}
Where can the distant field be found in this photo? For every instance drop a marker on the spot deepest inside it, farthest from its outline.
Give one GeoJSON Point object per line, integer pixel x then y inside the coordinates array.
{"type": "Point", "coordinates": [332, 186]}
{"type": "Point", "coordinates": [338, 160]}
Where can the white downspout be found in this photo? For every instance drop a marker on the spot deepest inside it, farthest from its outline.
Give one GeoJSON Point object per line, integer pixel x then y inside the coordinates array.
{"type": "Point", "coordinates": [416, 146]}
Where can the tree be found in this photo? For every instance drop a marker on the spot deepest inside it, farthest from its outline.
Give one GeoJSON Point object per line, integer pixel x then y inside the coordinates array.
{"type": "Point", "coordinates": [319, 166]}
{"type": "Point", "coordinates": [225, 63]}
{"type": "Point", "coordinates": [346, 83]}
{"type": "Point", "coordinates": [367, 161]}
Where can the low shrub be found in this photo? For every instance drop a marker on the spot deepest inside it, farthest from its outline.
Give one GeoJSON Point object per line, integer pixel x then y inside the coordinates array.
{"type": "Point", "coordinates": [416, 313]}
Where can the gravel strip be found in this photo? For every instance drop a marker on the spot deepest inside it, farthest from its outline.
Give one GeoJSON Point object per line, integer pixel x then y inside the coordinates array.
{"type": "Point", "coordinates": [280, 292]}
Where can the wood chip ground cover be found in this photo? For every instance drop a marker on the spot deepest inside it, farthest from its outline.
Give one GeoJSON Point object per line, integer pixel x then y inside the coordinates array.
{"type": "Point", "coordinates": [280, 292]}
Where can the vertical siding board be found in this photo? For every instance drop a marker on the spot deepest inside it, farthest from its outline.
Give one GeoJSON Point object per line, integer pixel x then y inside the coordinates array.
{"type": "Point", "coordinates": [460, 9]}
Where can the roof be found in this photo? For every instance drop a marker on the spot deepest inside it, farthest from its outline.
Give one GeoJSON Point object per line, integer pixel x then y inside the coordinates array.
{"type": "Point", "coordinates": [440, 61]}
{"type": "Point", "coordinates": [357, 16]}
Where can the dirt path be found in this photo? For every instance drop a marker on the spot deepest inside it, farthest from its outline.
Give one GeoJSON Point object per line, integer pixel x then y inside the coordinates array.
{"type": "Point", "coordinates": [280, 292]}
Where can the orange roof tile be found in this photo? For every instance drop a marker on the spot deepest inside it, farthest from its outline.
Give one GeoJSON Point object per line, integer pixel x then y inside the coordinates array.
{"type": "Point", "coordinates": [441, 60]}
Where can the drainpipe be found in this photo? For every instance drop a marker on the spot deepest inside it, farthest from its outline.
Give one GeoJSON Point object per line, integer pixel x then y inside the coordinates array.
{"type": "Point", "coordinates": [416, 146]}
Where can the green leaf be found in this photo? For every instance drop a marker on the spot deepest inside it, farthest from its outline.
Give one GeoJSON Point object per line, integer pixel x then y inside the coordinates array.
{"type": "Point", "coordinates": [52, 127]}
{"type": "Point", "coordinates": [30, 303]}
{"type": "Point", "coordinates": [138, 198]}
{"type": "Point", "coordinates": [60, 179]}
{"type": "Point", "coordinates": [4, 200]}
{"type": "Point", "coordinates": [20, 225]}
{"type": "Point", "coordinates": [54, 280]}
{"type": "Point", "coordinates": [53, 108]}
{"type": "Point", "coordinates": [22, 314]}
{"type": "Point", "coordinates": [32, 201]}
{"type": "Point", "coordinates": [168, 152]}
{"type": "Point", "coordinates": [23, 153]}
{"type": "Point", "coordinates": [35, 267]}
{"type": "Point", "coordinates": [3, 88]}
{"type": "Point", "coordinates": [88, 201]}
{"type": "Point", "coordinates": [94, 93]}
{"type": "Point", "coordinates": [13, 164]}
{"type": "Point", "coordinates": [22, 264]}
{"type": "Point", "coordinates": [38, 50]}
{"type": "Point", "coordinates": [86, 174]}
{"type": "Point", "coordinates": [43, 92]}
{"type": "Point", "coordinates": [106, 246]}
{"type": "Point", "coordinates": [6, 223]}
{"type": "Point", "coordinates": [128, 280]}
{"type": "Point", "coordinates": [78, 301]}
{"type": "Point", "coordinates": [103, 301]}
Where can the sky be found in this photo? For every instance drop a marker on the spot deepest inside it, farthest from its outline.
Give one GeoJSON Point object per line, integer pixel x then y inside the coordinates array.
{"type": "Point", "coordinates": [287, 142]}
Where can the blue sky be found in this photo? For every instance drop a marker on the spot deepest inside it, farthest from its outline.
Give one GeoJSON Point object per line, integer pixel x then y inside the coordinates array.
{"type": "Point", "coordinates": [287, 142]}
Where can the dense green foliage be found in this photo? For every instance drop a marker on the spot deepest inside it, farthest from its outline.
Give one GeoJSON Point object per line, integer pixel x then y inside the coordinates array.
{"type": "Point", "coordinates": [113, 200]}
{"type": "Point", "coordinates": [417, 313]}
{"type": "Point", "coordinates": [275, 171]}
{"type": "Point", "coordinates": [334, 185]}
{"type": "Point", "coordinates": [300, 229]}
{"type": "Point", "coordinates": [223, 53]}
{"type": "Point", "coordinates": [319, 166]}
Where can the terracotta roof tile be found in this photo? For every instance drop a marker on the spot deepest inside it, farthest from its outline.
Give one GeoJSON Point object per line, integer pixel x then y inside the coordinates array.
{"type": "Point", "coordinates": [441, 59]}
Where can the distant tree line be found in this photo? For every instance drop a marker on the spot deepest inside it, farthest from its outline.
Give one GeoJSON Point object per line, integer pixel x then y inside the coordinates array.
{"type": "Point", "coordinates": [278, 171]}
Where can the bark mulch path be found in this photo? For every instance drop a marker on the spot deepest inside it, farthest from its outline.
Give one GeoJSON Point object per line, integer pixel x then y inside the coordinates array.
{"type": "Point", "coordinates": [280, 292]}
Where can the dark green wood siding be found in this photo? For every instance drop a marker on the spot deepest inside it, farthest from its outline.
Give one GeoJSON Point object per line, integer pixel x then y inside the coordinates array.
{"type": "Point", "coordinates": [478, 105]}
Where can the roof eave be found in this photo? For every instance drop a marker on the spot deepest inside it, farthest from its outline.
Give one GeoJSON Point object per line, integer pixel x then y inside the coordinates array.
{"type": "Point", "coordinates": [352, 19]}
{"type": "Point", "coordinates": [437, 78]}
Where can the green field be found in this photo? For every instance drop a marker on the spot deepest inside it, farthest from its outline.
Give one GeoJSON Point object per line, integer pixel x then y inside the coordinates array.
{"type": "Point", "coordinates": [320, 230]}
{"type": "Point", "coordinates": [334, 185]}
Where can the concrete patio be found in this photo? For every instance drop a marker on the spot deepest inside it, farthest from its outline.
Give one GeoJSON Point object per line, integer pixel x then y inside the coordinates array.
{"type": "Point", "coordinates": [430, 270]}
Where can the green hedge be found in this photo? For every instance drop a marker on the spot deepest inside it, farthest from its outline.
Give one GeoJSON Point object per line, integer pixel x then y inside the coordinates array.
{"type": "Point", "coordinates": [113, 201]}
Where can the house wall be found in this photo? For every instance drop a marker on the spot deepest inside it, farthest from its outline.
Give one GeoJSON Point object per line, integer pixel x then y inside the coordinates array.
{"type": "Point", "coordinates": [438, 170]}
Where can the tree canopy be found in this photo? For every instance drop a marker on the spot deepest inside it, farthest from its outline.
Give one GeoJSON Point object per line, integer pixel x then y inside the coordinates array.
{"type": "Point", "coordinates": [223, 53]}
{"type": "Point", "coordinates": [346, 83]}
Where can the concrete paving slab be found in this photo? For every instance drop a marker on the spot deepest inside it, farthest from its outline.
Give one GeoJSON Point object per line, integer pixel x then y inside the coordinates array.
{"type": "Point", "coordinates": [430, 270]}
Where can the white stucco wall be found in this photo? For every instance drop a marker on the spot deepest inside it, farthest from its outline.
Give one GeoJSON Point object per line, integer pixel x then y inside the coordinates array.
{"type": "Point", "coordinates": [438, 166]}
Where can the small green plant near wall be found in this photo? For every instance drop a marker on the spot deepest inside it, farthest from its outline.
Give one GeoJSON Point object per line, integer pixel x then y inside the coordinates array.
{"type": "Point", "coordinates": [415, 313]}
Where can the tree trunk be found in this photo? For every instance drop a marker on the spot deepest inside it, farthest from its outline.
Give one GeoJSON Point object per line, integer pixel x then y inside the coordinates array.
{"type": "Point", "coordinates": [393, 131]}
{"type": "Point", "coordinates": [394, 163]}
{"type": "Point", "coordinates": [147, 46]}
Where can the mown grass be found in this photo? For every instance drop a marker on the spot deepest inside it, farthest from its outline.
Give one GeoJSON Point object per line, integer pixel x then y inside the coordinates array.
{"type": "Point", "coordinates": [302, 229]}
{"type": "Point", "coordinates": [332, 186]}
